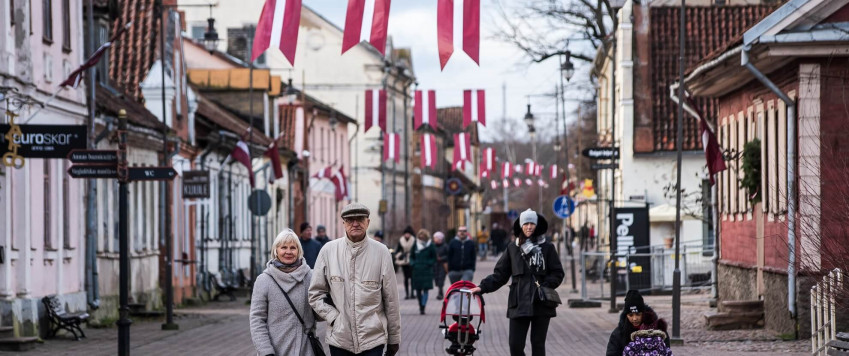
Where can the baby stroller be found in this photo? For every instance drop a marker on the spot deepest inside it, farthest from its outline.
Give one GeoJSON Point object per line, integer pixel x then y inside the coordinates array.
{"type": "Point", "coordinates": [462, 307]}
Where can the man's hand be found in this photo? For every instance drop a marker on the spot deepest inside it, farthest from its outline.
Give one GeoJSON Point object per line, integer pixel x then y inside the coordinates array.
{"type": "Point", "coordinates": [392, 349]}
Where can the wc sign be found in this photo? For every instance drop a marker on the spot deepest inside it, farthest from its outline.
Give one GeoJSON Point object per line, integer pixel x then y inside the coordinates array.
{"type": "Point", "coordinates": [632, 236]}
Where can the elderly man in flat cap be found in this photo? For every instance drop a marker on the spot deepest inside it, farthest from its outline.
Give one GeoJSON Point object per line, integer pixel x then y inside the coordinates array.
{"type": "Point", "coordinates": [357, 273]}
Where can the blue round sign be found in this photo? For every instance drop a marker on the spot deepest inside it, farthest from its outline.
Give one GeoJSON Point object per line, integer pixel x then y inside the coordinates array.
{"type": "Point", "coordinates": [512, 214]}
{"type": "Point", "coordinates": [563, 206]}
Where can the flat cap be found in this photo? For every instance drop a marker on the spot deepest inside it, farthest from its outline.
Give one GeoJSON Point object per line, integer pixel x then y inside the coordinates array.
{"type": "Point", "coordinates": [354, 210]}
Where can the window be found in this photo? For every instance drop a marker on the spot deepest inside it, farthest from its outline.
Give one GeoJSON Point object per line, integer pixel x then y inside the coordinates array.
{"type": "Point", "coordinates": [47, 20]}
{"type": "Point", "coordinates": [48, 244]}
{"type": "Point", "coordinates": [772, 174]}
{"type": "Point", "coordinates": [198, 31]}
{"type": "Point", "coordinates": [66, 25]}
{"type": "Point", "coordinates": [12, 12]}
{"type": "Point", "coordinates": [102, 66]}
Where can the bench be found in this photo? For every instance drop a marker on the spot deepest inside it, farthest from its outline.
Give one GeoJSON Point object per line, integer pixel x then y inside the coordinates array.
{"type": "Point", "coordinates": [222, 288]}
{"type": "Point", "coordinates": [61, 319]}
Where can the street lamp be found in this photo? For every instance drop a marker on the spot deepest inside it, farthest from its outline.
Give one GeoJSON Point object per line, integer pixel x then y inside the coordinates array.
{"type": "Point", "coordinates": [529, 118]}
{"type": "Point", "coordinates": [567, 68]}
{"type": "Point", "coordinates": [333, 120]}
{"type": "Point", "coordinates": [210, 37]}
{"type": "Point", "coordinates": [532, 131]}
{"type": "Point", "coordinates": [291, 94]}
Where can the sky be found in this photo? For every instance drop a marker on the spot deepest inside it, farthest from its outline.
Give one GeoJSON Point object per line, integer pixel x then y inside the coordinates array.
{"type": "Point", "coordinates": [412, 24]}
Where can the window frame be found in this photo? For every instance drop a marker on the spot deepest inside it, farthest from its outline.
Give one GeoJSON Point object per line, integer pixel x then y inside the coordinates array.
{"type": "Point", "coordinates": [66, 26]}
{"type": "Point", "coordinates": [47, 21]}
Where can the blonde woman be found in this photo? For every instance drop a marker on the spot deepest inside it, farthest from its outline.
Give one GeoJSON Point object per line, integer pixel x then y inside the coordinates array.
{"type": "Point", "coordinates": [275, 328]}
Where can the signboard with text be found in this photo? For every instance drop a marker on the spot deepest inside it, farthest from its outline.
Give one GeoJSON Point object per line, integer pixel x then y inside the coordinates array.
{"type": "Point", "coordinates": [632, 236]}
{"type": "Point", "coordinates": [45, 141]}
{"type": "Point", "coordinates": [195, 184]}
{"type": "Point", "coordinates": [601, 152]}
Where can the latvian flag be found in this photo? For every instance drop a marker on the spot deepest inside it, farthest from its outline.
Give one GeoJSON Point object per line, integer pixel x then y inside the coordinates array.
{"type": "Point", "coordinates": [506, 170]}
{"type": "Point", "coordinates": [445, 29]}
{"type": "Point", "coordinates": [428, 148]}
{"type": "Point", "coordinates": [517, 182]}
{"type": "Point", "coordinates": [274, 156]}
{"type": "Point", "coordinates": [278, 26]}
{"type": "Point", "coordinates": [375, 109]}
{"type": "Point", "coordinates": [531, 168]}
{"type": "Point", "coordinates": [241, 153]}
{"type": "Point", "coordinates": [518, 168]}
{"type": "Point", "coordinates": [76, 76]}
{"type": "Point", "coordinates": [494, 184]}
{"type": "Point", "coordinates": [474, 107]}
{"type": "Point", "coordinates": [538, 170]}
{"type": "Point", "coordinates": [462, 150]}
{"type": "Point", "coordinates": [392, 147]}
{"type": "Point", "coordinates": [488, 161]}
{"type": "Point", "coordinates": [426, 108]}
{"type": "Point", "coordinates": [327, 172]}
{"type": "Point", "coordinates": [341, 183]}
{"type": "Point", "coordinates": [554, 172]}
{"type": "Point", "coordinates": [354, 24]}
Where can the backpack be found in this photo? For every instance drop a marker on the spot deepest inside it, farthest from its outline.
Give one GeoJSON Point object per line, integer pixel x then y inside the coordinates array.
{"type": "Point", "coordinates": [647, 342]}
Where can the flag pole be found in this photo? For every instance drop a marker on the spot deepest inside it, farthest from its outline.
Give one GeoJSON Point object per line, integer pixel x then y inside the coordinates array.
{"type": "Point", "coordinates": [44, 105]}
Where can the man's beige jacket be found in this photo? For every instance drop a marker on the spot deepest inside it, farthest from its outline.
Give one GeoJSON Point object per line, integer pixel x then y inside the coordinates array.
{"type": "Point", "coordinates": [360, 279]}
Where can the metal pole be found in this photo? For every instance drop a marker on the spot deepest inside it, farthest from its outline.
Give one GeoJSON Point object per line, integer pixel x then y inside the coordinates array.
{"type": "Point", "coordinates": [383, 166]}
{"type": "Point", "coordinates": [164, 190]}
{"type": "Point", "coordinates": [676, 274]}
{"type": "Point", "coordinates": [91, 184]}
{"type": "Point", "coordinates": [611, 207]}
{"type": "Point", "coordinates": [250, 143]}
{"type": "Point", "coordinates": [123, 243]}
{"type": "Point", "coordinates": [407, 204]}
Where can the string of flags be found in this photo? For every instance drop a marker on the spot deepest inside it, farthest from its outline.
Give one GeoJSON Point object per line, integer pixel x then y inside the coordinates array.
{"type": "Point", "coordinates": [337, 177]}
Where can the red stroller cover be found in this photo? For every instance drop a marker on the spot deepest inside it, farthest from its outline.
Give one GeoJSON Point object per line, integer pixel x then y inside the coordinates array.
{"type": "Point", "coordinates": [452, 304]}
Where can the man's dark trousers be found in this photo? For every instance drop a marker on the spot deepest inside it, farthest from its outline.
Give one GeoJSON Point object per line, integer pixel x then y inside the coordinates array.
{"type": "Point", "coordinates": [377, 351]}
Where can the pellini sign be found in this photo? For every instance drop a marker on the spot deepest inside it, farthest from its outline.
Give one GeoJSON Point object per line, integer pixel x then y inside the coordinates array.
{"type": "Point", "coordinates": [632, 237]}
{"type": "Point", "coordinates": [44, 141]}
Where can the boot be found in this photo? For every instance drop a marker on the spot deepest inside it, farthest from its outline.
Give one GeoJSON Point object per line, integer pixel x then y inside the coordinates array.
{"type": "Point", "coordinates": [439, 295]}
{"type": "Point", "coordinates": [421, 309]}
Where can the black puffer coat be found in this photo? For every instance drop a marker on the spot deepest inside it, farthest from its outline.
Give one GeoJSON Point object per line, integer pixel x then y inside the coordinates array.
{"type": "Point", "coordinates": [520, 302]}
{"type": "Point", "coordinates": [621, 336]}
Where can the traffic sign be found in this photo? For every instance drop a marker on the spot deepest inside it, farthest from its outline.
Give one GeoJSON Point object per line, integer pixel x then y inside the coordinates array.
{"type": "Point", "coordinates": [512, 214]}
{"type": "Point", "coordinates": [93, 171]}
{"type": "Point", "coordinates": [601, 152]}
{"type": "Point", "coordinates": [259, 202]}
{"type": "Point", "coordinates": [597, 166]}
{"type": "Point", "coordinates": [94, 156]}
{"type": "Point", "coordinates": [151, 173]}
{"type": "Point", "coordinates": [563, 206]}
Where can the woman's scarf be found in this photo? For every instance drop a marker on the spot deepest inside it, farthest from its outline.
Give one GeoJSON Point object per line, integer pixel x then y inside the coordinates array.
{"type": "Point", "coordinates": [287, 268]}
{"type": "Point", "coordinates": [422, 245]}
{"type": "Point", "coordinates": [534, 253]}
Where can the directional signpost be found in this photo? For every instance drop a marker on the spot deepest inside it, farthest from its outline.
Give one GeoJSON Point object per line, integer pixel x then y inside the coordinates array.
{"type": "Point", "coordinates": [151, 173]}
{"type": "Point", "coordinates": [93, 171]}
{"type": "Point", "coordinates": [601, 152]}
{"type": "Point", "coordinates": [598, 166]}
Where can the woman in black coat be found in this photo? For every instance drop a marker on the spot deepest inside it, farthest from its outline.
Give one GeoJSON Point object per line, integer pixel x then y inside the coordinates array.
{"type": "Point", "coordinates": [529, 254]}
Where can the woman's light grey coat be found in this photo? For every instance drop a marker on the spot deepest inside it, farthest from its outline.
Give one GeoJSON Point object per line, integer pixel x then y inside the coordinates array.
{"type": "Point", "coordinates": [274, 328]}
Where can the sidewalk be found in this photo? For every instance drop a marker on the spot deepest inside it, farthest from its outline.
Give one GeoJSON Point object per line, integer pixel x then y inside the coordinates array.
{"type": "Point", "coordinates": [222, 329]}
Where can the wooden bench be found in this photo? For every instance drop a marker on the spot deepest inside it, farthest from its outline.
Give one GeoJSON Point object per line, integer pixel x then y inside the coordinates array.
{"type": "Point", "coordinates": [61, 319]}
{"type": "Point", "coordinates": [222, 288]}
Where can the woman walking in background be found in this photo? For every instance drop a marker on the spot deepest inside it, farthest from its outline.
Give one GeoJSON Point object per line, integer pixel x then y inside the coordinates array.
{"type": "Point", "coordinates": [276, 328]}
{"type": "Point", "coordinates": [422, 260]}
{"type": "Point", "coordinates": [440, 269]}
{"type": "Point", "coordinates": [402, 258]}
{"type": "Point", "coordinates": [530, 260]}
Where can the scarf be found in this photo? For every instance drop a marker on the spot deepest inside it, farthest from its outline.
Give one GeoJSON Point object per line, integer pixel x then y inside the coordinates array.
{"type": "Point", "coordinates": [533, 252]}
{"type": "Point", "coordinates": [422, 245]}
{"type": "Point", "coordinates": [287, 268]}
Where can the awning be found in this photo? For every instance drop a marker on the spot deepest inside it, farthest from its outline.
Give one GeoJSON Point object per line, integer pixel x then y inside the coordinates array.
{"type": "Point", "coordinates": [666, 213]}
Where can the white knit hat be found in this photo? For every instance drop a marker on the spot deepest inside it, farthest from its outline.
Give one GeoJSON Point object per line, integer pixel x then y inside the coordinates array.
{"type": "Point", "coordinates": [528, 216]}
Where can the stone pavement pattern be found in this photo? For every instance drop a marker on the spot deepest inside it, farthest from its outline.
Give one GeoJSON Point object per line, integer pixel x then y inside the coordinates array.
{"type": "Point", "coordinates": [222, 329]}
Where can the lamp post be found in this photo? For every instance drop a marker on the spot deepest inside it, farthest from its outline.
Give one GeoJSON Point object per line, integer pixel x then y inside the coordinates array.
{"type": "Point", "coordinates": [529, 120]}
{"type": "Point", "coordinates": [567, 70]}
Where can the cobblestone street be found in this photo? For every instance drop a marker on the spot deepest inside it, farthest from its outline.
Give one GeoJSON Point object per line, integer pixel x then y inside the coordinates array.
{"type": "Point", "coordinates": [222, 329]}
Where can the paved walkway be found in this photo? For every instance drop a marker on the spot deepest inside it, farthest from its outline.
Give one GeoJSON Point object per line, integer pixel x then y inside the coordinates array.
{"type": "Point", "coordinates": [222, 329]}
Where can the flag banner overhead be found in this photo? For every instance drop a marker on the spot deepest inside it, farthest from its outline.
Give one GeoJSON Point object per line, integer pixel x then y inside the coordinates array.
{"type": "Point", "coordinates": [278, 26]}
{"type": "Point", "coordinates": [506, 170]}
{"type": "Point", "coordinates": [445, 29]}
{"type": "Point", "coordinates": [462, 149]}
{"type": "Point", "coordinates": [375, 109]}
{"type": "Point", "coordinates": [341, 183]}
{"type": "Point", "coordinates": [517, 182]}
{"type": "Point", "coordinates": [354, 25]}
{"type": "Point", "coordinates": [276, 167]}
{"type": "Point", "coordinates": [428, 151]}
{"type": "Point", "coordinates": [392, 147]}
{"type": "Point", "coordinates": [425, 108]}
{"type": "Point", "coordinates": [474, 107]}
{"type": "Point", "coordinates": [488, 161]}
{"type": "Point", "coordinates": [76, 76]}
{"type": "Point", "coordinates": [553, 170]}
{"type": "Point", "coordinates": [327, 172]}
{"type": "Point", "coordinates": [713, 153]}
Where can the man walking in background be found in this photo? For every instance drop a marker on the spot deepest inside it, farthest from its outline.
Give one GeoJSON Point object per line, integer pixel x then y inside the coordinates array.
{"type": "Point", "coordinates": [308, 244]}
{"type": "Point", "coordinates": [461, 257]}
{"type": "Point", "coordinates": [321, 235]}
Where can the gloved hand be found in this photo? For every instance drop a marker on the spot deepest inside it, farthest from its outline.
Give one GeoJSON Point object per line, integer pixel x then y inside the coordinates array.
{"type": "Point", "coordinates": [392, 349]}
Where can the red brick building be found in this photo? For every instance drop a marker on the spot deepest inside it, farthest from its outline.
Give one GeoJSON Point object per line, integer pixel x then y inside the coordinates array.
{"type": "Point", "coordinates": [801, 49]}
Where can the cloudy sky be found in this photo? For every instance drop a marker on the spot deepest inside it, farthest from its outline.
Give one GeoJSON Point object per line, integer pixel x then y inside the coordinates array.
{"type": "Point", "coordinates": [412, 23]}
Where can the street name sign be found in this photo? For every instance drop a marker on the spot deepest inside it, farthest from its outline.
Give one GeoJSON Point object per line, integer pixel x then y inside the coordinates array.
{"type": "Point", "coordinates": [94, 156]}
{"type": "Point", "coordinates": [601, 152]}
{"type": "Point", "coordinates": [45, 141]}
{"type": "Point", "coordinates": [195, 184]}
{"type": "Point", "coordinates": [93, 171]}
{"type": "Point", "coordinates": [151, 173]}
{"type": "Point", "coordinates": [597, 166]}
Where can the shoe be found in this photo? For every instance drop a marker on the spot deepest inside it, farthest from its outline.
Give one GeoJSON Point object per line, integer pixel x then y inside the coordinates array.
{"type": "Point", "coordinates": [439, 296]}
{"type": "Point", "coordinates": [421, 310]}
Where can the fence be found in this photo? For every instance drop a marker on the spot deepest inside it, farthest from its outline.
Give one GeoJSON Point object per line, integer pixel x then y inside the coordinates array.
{"type": "Point", "coordinates": [648, 271]}
{"type": "Point", "coordinates": [823, 307]}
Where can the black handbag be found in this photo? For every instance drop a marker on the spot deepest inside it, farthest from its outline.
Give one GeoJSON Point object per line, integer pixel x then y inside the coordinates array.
{"type": "Point", "coordinates": [544, 295]}
{"type": "Point", "coordinates": [317, 348]}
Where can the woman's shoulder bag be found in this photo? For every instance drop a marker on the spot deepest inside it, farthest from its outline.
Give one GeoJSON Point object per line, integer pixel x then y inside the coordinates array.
{"type": "Point", "coordinates": [545, 295]}
{"type": "Point", "coordinates": [317, 348]}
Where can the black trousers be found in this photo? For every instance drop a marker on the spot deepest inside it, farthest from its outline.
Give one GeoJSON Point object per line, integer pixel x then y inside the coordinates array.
{"type": "Point", "coordinates": [377, 351]}
{"type": "Point", "coordinates": [519, 331]}
{"type": "Point", "coordinates": [408, 278]}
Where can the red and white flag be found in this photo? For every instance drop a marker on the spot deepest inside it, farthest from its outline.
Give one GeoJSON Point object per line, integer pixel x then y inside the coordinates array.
{"type": "Point", "coordinates": [462, 149]}
{"type": "Point", "coordinates": [506, 183]}
{"type": "Point", "coordinates": [471, 29]}
{"type": "Point", "coordinates": [278, 27]}
{"type": "Point", "coordinates": [553, 170]}
{"type": "Point", "coordinates": [529, 182]}
{"type": "Point", "coordinates": [517, 182]}
{"type": "Point", "coordinates": [327, 172]}
{"type": "Point", "coordinates": [488, 161]}
{"type": "Point", "coordinates": [506, 170]}
{"type": "Point", "coordinates": [276, 167]}
{"type": "Point", "coordinates": [474, 107]}
{"type": "Point", "coordinates": [354, 24]}
{"type": "Point", "coordinates": [493, 184]}
{"type": "Point", "coordinates": [341, 183]}
{"type": "Point", "coordinates": [426, 108]}
{"type": "Point", "coordinates": [76, 76]}
{"type": "Point", "coordinates": [518, 168]}
{"type": "Point", "coordinates": [375, 109]}
{"type": "Point", "coordinates": [392, 147]}
{"type": "Point", "coordinates": [713, 154]}
{"type": "Point", "coordinates": [241, 153]}
{"type": "Point", "coordinates": [538, 170]}
{"type": "Point", "coordinates": [482, 172]}
{"type": "Point", "coordinates": [530, 168]}
{"type": "Point", "coordinates": [428, 148]}
{"type": "Point", "coordinates": [541, 182]}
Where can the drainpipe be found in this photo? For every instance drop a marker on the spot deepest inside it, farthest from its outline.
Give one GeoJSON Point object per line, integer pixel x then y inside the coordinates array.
{"type": "Point", "coordinates": [791, 176]}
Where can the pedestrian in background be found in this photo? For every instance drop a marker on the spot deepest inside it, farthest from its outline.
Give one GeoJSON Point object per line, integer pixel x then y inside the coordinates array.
{"type": "Point", "coordinates": [321, 235]}
{"type": "Point", "coordinates": [483, 242]}
{"type": "Point", "coordinates": [275, 327]}
{"type": "Point", "coordinates": [310, 246]}
{"type": "Point", "coordinates": [378, 236]}
{"type": "Point", "coordinates": [461, 257]}
{"type": "Point", "coordinates": [499, 238]}
{"type": "Point", "coordinates": [636, 316]}
{"type": "Point", "coordinates": [357, 273]}
{"type": "Point", "coordinates": [440, 269]}
{"type": "Point", "coordinates": [422, 260]}
{"type": "Point", "coordinates": [530, 262]}
{"type": "Point", "coordinates": [402, 258]}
